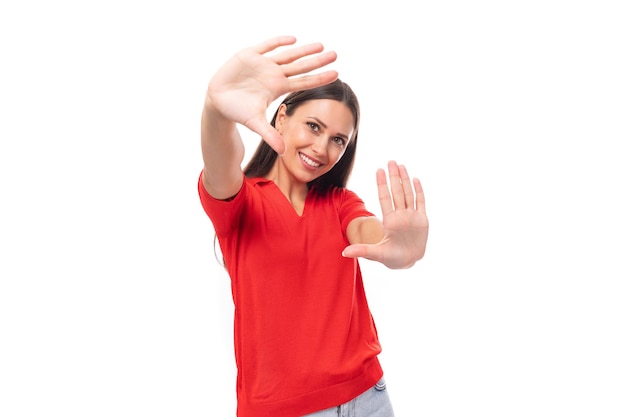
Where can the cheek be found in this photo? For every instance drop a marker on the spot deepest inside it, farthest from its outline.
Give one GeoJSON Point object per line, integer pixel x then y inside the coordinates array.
{"type": "Point", "coordinates": [336, 153]}
{"type": "Point", "coordinates": [295, 136]}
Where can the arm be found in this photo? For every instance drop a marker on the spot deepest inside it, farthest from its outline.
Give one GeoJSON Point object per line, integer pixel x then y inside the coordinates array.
{"type": "Point", "coordinates": [400, 239]}
{"type": "Point", "coordinates": [222, 152]}
{"type": "Point", "coordinates": [240, 92]}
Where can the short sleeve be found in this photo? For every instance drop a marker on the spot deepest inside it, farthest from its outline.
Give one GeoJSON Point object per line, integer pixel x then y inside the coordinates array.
{"type": "Point", "coordinates": [350, 207]}
{"type": "Point", "coordinates": [224, 214]}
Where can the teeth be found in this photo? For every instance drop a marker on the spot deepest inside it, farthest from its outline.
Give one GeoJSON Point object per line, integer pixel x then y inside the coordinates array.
{"type": "Point", "coordinates": [309, 161]}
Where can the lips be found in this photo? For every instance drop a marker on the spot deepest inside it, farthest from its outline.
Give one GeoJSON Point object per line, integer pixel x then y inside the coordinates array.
{"type": "Point", "coordinates": [308, 161]}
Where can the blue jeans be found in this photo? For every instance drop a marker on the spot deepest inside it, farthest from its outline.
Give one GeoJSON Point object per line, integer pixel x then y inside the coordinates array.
{"type": "Point", "coordinates": [372, 403]}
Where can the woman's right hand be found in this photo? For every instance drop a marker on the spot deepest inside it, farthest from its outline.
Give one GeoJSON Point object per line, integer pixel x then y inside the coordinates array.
{"type": "Point", "coordinates": [243, 88]}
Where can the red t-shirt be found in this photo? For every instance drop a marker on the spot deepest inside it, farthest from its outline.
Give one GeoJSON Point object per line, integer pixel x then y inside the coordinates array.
{"type": "Point", "coordinates": [304, 336]}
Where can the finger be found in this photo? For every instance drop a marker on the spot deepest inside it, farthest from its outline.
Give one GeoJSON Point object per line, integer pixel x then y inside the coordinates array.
{"type": "Point", "coordinates": [395, 183]}
{"type": "Point", "coordinates": [291, 66]}
{"type": "Point", "coordinates": [309, 64]}
{"type": "Point", "coordinates": [268, 133]}
{"type": "Point", "coordinates": [311, 81]}
{"type": "Point", "coordinates": [409, 197]}
{"type": "Point", "coordinates": [420, 200]}
{"type": "Point", "coordinates": [384, 197]}
{"type": "Point", "coordinates": [273, 43]}
{"type": "Point", "coordinates": [290, 55]}
{"type": "Point", "coordinates": [371, 252]}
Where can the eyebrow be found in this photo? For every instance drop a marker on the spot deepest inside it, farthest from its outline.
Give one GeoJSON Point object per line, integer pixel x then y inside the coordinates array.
{"type": "Point", "coordinates": [343, 135]}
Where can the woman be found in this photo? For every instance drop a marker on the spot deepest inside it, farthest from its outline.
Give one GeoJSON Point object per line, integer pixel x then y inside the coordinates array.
{"type": "Point", "coordinates": [290, 233]}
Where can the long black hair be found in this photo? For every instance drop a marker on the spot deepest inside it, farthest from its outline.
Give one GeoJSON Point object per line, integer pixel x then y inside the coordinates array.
{"type": "Point", "coordinates": [264, 157]}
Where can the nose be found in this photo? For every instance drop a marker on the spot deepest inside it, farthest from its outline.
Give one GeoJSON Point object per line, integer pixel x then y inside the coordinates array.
{"type": "Point", "coordinates": [319, 145]}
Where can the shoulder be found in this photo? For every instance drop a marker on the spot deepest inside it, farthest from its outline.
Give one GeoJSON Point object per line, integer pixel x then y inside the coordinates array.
{"type": "Point", "coordinates": [344, 197]}
{"type": "Point", "coordinates": [335, 194]}
{"type": "Point", "coordinates": [345, 202]}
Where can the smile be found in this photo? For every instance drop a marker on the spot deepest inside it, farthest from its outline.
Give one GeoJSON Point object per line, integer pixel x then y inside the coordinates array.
{"type": "Point", "coordinates": [309, 161]}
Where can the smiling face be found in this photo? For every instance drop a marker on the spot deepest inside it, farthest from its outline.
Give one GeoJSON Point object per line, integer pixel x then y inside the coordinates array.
{"type": "Point", "coordinates": [316, 136]}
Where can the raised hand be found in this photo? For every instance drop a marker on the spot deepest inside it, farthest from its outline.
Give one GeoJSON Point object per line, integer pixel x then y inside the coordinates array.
{"type": "Point", "coordinates": [244, 87]}
{"type": "Point", "coordinates": [405, 224]}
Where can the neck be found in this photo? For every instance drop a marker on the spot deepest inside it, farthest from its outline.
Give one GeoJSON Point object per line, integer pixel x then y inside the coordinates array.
{"type": "Point", "coordinates": [295, 191]}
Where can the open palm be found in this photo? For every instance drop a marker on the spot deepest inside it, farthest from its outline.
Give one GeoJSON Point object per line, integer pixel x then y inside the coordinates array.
{"type": "Point", "coordinates": [250, 81]}
{"type": "Point", "coordinates": [405, 224]}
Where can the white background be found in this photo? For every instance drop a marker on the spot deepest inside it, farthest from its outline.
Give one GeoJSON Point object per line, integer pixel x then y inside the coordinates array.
{"type": "Point", "coordinates": [511, 113]}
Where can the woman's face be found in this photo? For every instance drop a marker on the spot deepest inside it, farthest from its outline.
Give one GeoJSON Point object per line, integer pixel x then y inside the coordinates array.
{"type": "Point", "coordinates": [316, 136]}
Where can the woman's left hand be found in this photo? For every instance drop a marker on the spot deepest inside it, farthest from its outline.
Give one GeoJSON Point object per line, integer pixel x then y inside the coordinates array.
{"type": "Point", "coordinates": [405, 224]}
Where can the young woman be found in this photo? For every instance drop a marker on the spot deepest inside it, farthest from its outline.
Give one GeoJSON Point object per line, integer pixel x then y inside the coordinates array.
{"type": "Point", "coordinates": [291, 233]}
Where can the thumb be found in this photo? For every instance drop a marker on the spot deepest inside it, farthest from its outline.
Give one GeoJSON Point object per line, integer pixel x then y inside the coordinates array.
{"type": "Point", "coordinates": [268, 133]}
{"type": "Point", "coordinates": [361, 251]}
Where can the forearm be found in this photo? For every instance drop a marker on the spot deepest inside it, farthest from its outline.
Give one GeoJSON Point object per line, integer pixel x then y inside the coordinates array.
{"type": "Point", "coordinates": [222, 152]}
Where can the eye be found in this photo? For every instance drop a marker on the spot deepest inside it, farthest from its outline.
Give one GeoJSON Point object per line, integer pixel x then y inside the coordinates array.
{"type": "Point", "coordinates": [314, 126]}
{"type": "Point", "coordinates": [339, 140]}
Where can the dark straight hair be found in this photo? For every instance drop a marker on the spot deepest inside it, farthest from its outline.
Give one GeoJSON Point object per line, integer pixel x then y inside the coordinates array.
{"type": "Point", "coordinates": [264, 157]}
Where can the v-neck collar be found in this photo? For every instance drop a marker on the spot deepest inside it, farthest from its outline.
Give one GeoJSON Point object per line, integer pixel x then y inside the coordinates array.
{"type": "Point", "coordinates": [284, 200]}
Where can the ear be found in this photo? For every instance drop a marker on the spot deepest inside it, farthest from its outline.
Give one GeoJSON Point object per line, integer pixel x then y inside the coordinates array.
{"type": "Point", "coordinates": [281, 116]}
